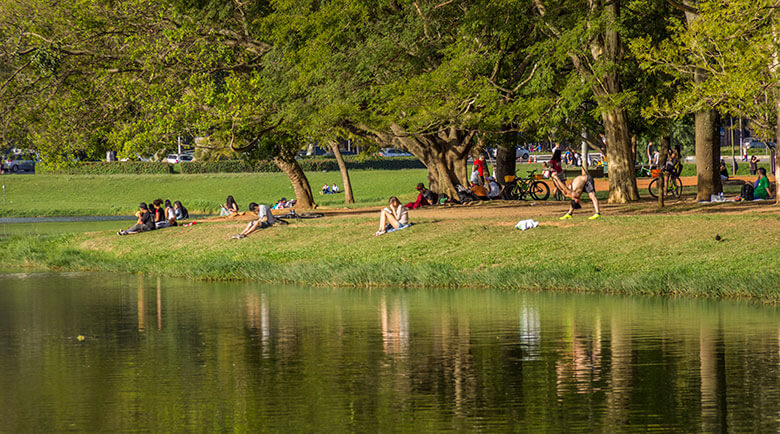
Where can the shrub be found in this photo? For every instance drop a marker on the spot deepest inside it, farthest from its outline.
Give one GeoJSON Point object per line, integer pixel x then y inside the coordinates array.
{"type": "Point", "coordinates": [106, 168]}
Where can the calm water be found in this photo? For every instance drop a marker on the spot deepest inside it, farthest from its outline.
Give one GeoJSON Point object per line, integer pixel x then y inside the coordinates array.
{"type": "Point", "coordinates": [173, 355]}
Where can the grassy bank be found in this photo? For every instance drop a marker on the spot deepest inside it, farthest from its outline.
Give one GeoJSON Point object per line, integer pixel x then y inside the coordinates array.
{"type": "Point", "coordinates": [644, 254]}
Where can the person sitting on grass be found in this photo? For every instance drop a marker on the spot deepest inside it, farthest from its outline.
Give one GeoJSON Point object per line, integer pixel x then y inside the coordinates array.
{"type": "Point", "coordinates": [159, 214]}
{"type": "Point", "coordinates": [181, 211]}
{"type": "Point", "coordinates": [230, 207]}
{"type": "Point", "coordinates": [170, 213]}
{"type": "Point", "coordinates": [479, 191]}
{"type": "Point", "coordinates": [334, 189]}
{"type": "Point", "coordinates": [761, 190]}
{"type": "Point", "coordinates": [265, 219]}
{"type": "Point", "coordinates": [425, 197]}
{"type": "Point", "coordinates": [393, 217]}
{"type": "Point", "coordinates": [579, 184]}
{"type": "Point", "coordinates": [145, 221]}
{"type": "Point", "coordinates": [724, 173]}
{"type": "Point", "coordinates": [494, 192]}
{"type": "Point", "coordinates": [326, 189]}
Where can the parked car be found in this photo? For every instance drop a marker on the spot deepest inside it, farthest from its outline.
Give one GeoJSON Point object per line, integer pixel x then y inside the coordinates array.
{"type": "Point", "coordinates": [753, 143]}
{"type": "Point", "coordinates": [16, 163]}
{"type": "Point", "coordinates": [179, 158]}
{"type": "Point", "coordinates": [520, 153]}
{"type": "Point", "coordinates": [392, 152]}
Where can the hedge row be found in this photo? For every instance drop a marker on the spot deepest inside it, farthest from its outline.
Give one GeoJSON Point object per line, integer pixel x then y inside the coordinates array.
{"type": "Point", "coordinates": [225, 166]}
{"type": "Point", "coordinates": [307, 164]}
{"type": "Point", "coordinates": [106, 168]}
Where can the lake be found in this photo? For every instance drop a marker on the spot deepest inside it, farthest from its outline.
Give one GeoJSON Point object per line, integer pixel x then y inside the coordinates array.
{"type": "Point", "coordinates": [107, 352]}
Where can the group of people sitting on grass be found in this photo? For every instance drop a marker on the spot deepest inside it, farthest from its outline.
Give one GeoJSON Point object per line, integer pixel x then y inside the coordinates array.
{"type": "Point", "coordinates": [160, 214]}
{"type": "Point", "coordinates": [330, 189]}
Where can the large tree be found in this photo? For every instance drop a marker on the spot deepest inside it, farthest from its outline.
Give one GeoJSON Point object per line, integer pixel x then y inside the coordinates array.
{"type": "Point", "coordinates": [134, 75]}
{"type": "Point", "coordinates": [588, 33]}
{"type": "Point", "coordinates": [724, 58]}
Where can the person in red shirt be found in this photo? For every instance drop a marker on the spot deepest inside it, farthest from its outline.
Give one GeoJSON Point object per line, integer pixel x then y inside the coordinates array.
{"type": "Point", "coordinates": [480, 166]}
{"type": "Point", "coordinates": [424, 198]}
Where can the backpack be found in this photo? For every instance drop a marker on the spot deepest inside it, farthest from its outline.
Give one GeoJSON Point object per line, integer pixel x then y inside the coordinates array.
{"type": "Point", "coordinates": [747, 192]}
{"type": "Point", "coordinates": [464, 195]}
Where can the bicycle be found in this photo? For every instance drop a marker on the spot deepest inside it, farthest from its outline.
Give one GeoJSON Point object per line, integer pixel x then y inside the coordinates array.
{"type": "Point", "coordinates": [644, 171]}
{"type": "Point", "coordinates": [519, 188]}
{"type": "Point", "coordinates": [674, 188]}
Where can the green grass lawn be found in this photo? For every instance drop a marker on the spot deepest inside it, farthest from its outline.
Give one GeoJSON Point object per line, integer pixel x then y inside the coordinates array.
{"type": "Point", "coordinates": [631, 254]}
{"type": "Point", "coordinates": [49, 195]}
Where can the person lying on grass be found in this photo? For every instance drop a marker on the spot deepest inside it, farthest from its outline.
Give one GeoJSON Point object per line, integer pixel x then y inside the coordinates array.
{"type": "Point", "coordinates": [579, 184]}
{"type": "Point", "coordinates": [393, 218]}
{"type": "Point", "coordinates": [264, 220]}
{"type": "Point", "coordinates": [145, 221]}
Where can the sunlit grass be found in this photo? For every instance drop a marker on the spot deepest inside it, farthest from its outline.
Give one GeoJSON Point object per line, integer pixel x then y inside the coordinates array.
{"type": "Point", "coordinates": [648, 254]}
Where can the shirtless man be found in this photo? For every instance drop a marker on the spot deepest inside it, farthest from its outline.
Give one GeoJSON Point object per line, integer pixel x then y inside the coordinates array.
{"type": "Point", "coordinates": [579, 184]}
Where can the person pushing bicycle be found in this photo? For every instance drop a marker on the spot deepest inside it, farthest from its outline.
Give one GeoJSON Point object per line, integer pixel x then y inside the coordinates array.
{"type": "Point", "coordinates": [579, 184]}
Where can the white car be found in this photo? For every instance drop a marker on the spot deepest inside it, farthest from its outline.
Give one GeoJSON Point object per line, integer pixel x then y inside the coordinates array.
{"type": "Point", "coordinates": [392, 152]}
{"type": "Point", "coordinates": [179, 158]}
{"type": "Point", "coordinates": [520, 153]}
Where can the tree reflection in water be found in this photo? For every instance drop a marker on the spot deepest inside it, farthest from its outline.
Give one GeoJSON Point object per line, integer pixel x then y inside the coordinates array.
{"type": "Point", "coordinates": [251, 357]}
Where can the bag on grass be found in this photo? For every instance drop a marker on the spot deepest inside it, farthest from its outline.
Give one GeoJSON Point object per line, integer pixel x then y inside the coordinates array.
{"type": "Point", "coordinates": [747, 192]}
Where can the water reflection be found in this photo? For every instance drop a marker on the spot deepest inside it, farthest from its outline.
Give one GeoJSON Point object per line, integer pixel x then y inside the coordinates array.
{"type": "Point", "coordinates": [251, 357]}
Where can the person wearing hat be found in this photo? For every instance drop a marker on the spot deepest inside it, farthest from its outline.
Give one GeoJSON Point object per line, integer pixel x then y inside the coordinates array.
{"type": "Point", "coordinates": [145, 221]}
{"type": "Point", "coordinates": [425, 197]}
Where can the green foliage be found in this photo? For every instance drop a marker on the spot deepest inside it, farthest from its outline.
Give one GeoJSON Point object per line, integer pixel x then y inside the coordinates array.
{"type": "Point", "coordinates": [105, 168]}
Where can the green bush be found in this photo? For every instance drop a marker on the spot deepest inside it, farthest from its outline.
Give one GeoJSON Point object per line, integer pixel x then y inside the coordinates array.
{"type": "Point", "coordinates": [317, 164]}
{"type": "Point", "coordinates": [106, 168]}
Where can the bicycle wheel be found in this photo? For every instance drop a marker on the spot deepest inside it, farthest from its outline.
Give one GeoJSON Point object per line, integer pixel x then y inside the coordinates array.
{"type": "Point", "coordinates": [540, 190]}
{"type": "Point", "coordinates": [653, 187]}
{"type": "Point", "coordinates": [518, 193]}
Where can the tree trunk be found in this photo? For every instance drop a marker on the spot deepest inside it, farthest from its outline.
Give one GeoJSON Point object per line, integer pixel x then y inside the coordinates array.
{"type": "Point", "coordinates": [506, 163]}
{"type": "Point", "coordinates": [665, 145]}
{"type": "Point", "coordinates": [348, 198]}
{"type": "Point", "coordinates": [707, 154]}
{"type": "Point", "coordinates": [303, 196]}
{"type": "Point", "coordinates": [443, 153]}
{"type": "Point", "coordinates": [622, 174]}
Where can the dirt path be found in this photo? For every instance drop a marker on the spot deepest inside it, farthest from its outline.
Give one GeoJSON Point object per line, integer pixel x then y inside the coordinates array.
{"type": "Point", "coordinates": [524, 209]}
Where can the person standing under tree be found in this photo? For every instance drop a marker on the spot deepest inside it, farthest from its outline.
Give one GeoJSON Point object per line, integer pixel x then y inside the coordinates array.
{"type": "Point", "coordinates": [480, 166]}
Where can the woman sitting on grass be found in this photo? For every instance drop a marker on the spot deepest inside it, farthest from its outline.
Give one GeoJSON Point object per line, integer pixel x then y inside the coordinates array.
{"type": "Point", "coordinates": [230, 207]}
{"type": "Point", "coordinates": [181, 211]}
{"type": "Point", "coordinates": [393, 218]}
{"type": "Point", "coordinates": [170, 213]}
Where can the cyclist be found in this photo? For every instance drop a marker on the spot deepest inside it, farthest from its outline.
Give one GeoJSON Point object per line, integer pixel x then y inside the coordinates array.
{"type": "Point", "coordinates": [673, 166]}
{"type": "Point", "coordinates": [579, 184]}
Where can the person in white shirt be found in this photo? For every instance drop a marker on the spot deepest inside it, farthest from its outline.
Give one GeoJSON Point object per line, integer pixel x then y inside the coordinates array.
{"type": "Point", "coordinates": [392, 217]}
{"type": "Point", "coordinates": [264, 220]}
